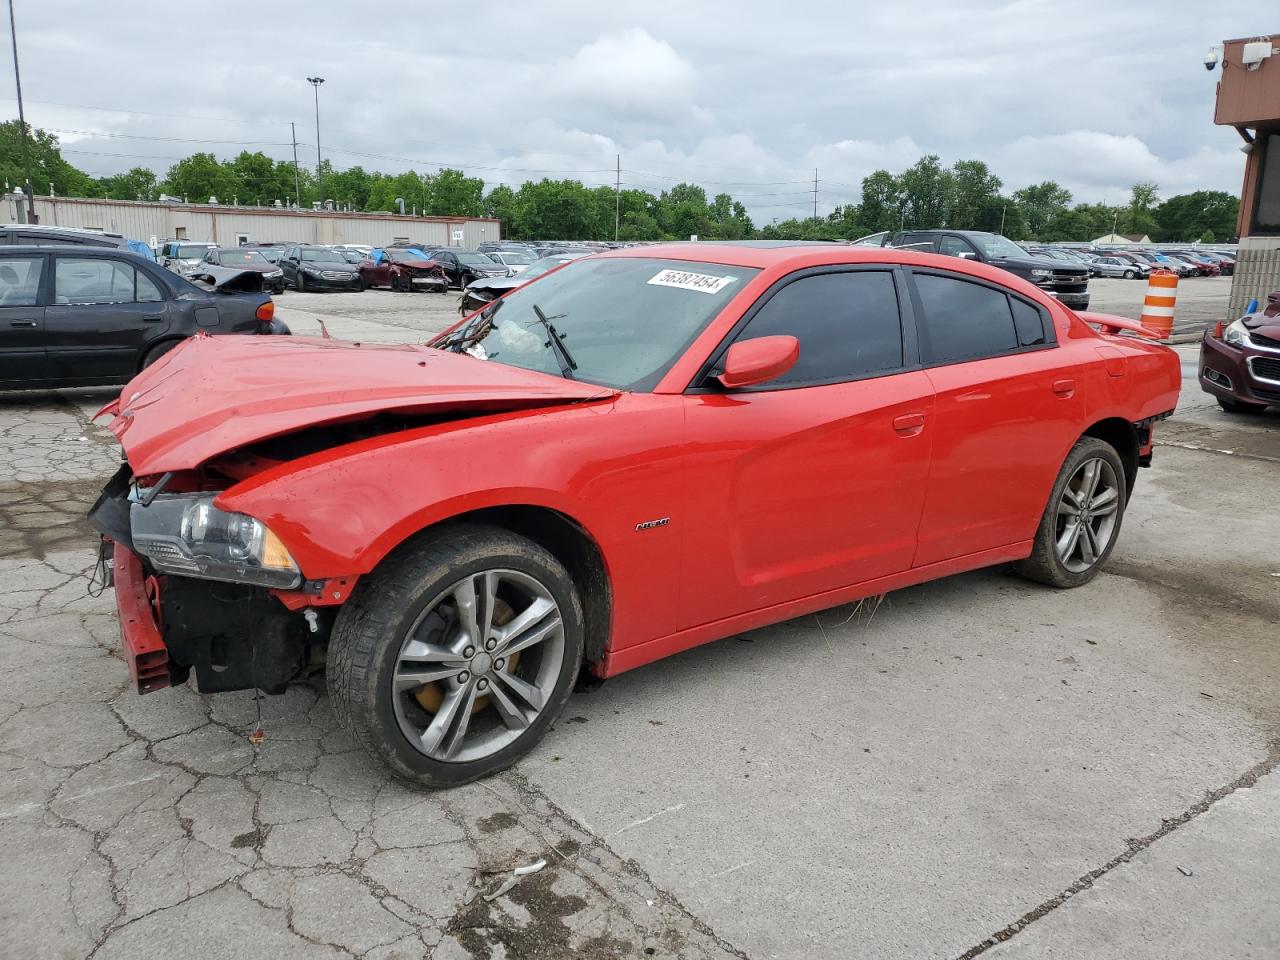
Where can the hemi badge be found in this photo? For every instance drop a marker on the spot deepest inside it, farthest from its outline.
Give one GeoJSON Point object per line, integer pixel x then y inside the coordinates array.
{"type": "Point", "coordinates": [650, 524]}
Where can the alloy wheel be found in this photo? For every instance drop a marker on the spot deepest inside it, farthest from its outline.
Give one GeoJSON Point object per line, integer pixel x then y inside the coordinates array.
{"type": "Point", "coordinates": [478, 666]}
{"type": "Point", "coordinates": [1087, 514]}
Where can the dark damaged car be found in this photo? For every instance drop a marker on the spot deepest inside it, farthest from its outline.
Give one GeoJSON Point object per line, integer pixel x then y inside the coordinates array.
{"type": "Point", "coordinates": [93, 316]}
{"type": "Point", "coordinates": [1240, 361]}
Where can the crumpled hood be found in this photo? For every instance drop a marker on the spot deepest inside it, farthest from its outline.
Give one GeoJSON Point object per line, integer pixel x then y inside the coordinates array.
{"type": "Point", "coordinates": [214, 394]}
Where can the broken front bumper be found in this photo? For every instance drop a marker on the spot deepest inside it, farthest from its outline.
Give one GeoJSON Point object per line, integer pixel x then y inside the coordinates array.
{"type": "Point", "coordinates": [136, 597]}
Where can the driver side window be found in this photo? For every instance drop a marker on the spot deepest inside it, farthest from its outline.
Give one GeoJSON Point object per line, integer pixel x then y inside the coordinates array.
{"type": "Point", "coordinates": [848, 324]}
{"type": "Point", "coordinates": [954, 247]}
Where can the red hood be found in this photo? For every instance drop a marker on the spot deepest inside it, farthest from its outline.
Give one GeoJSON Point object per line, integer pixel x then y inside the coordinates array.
{"type": "Point", "coordinates": [214, 394]}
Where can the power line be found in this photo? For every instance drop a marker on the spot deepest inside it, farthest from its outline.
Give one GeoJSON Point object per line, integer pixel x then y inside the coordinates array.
{"type": "Point", "coordinates": [147, 113]}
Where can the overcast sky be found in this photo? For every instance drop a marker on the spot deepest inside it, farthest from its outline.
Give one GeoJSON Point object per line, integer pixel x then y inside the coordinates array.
{"type": "Point", "coordinates": [744, 97]}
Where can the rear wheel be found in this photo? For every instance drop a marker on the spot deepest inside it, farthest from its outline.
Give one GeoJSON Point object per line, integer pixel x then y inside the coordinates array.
{"type": "Point", "coordinates": [453, 659]}
{"type": "Point", "coordinates": [1238, 406]}
{"type": "Point", "coordinates": [1082, 519]}
{"type": "Point", "coordinates": [157, 351]}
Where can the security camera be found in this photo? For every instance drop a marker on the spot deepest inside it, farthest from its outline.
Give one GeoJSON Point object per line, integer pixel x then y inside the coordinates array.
{"type": "Point", "coordinates": [1211, 58]}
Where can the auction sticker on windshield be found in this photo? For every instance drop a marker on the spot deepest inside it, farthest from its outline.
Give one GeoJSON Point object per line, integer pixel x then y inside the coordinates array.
{"type": "Point", "coordinates": [702, 282]}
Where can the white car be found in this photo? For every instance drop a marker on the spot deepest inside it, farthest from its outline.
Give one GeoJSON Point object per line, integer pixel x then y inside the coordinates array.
{"type": "Point", "coordinates": [514, 261]}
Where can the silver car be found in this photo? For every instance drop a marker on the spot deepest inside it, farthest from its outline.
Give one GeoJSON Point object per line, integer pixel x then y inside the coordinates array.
{"type": "Point", "coordinates": [1115, 267]}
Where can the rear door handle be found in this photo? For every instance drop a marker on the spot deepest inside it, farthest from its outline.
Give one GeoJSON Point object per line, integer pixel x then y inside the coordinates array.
{"type": "Point", "coordinates": [22, 323]}
{"type": "Point", "coordinates": [909, 424]}
{"type": "Point", "coordinates": [1064, 388]}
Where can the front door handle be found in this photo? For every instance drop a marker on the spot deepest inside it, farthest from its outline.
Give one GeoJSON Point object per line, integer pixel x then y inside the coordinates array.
{"type": "Point", "coordinates": [1064, 388]}
{"type": "Point", "coordinates": [153, 319]}
{"type": "Point", "coordinates": [22, 323]}
{"type": "Point", "coordinates": [909, 424]}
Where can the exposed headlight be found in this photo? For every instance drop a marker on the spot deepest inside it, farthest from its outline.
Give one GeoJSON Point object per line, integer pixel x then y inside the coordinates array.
{"type": "Point", "coordinates": [275, 273]}
{"type": "Point", "coordinates": [186, 534]}
{"type": "Point", "coordinates": [1236, 334]}
{"type": "Point", "coordinates": [1041, 273]}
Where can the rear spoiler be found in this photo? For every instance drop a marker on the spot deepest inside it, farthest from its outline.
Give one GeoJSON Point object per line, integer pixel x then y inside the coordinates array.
{"type": "Point", "coordinates": [1111, 324]}
{"type": "Point", "coordinates": [226, 279]}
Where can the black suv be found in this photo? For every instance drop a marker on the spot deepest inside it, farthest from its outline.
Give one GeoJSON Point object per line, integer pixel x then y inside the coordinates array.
{"type": "Point", "coordinates": [1068, 282]}
{"type": "Point", "coordinates": [464, 266]}
{"type": "Point", "coordinates": [92, 316]}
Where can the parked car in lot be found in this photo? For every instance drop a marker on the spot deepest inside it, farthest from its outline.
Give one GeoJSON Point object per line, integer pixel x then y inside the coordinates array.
{"type": "Point", "coordinates": [1116, 267]}
{"type": "Point", "coordinates": [180, 256]}
{"type": "Point", "coordinates": [402, 269]}
{"type": "Point", "coordinates": [247, 258]}
{"type": "Point", "coordinates": [1195, 268]}
{"type": "Point", "coordinates": [480, 292]}
{"type": "Point", "coordinates": [463, 266]}
{"type": "Point", "coordinates": [640, 452]}
{"type": "Point", "coordinates": [1069, 282]}
{"type": "Point", "coordinates": [515, 262]}
{"type": "Point", "coordinates": [1240, 361]}
{"type": "Point", "coordinates": [97, 315]}
{"type": "Point", "coordinates": [318, 268]}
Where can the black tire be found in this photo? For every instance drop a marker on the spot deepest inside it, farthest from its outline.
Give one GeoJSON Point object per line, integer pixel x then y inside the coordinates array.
{"type": "Point", "coordinates": [362, 284]}
{"type": "Point", "coordinates": [156, 351]}
{"type": "Point", "coordinates": [299, 282]}
{"type": "Point", "coordinates": [365, 646]}
{"type": "Point", "coordinates": [1129, 274]}
{"type": "Point", "coordinates": [1045, 565]}
{"type": "Point", "coordinates": [1239, 406]}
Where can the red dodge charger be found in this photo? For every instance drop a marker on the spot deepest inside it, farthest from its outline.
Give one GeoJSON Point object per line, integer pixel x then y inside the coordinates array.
{"type": "Point", "coordinates": [637, 453]}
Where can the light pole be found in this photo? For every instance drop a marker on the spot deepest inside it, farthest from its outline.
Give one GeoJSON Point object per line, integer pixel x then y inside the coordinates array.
{"type": "Point", "coordinates": [315, 82]}
{"type": "Point", "coordinates": [22, 121]}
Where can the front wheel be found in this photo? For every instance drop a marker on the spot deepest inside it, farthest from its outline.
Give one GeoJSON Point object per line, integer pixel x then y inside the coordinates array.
{"type": "Point", "coordinates": [1130, 274]}
{"type": "Point", "coordinates": [454, 658]}
{"type": "Point", "coordinates": [300, 282]}
{"type": "Point", "coordinates": [1082, 519]}
{"type": "Point", "coordinates": [1238, 406]}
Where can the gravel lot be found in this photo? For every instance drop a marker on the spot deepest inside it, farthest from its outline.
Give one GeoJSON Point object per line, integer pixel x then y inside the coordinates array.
{"type": "Point", "coordinates": [979, 765]}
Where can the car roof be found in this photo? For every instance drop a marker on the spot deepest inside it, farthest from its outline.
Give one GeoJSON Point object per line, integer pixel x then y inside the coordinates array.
{"type": "Point", "coordinates": [72, 250]}
{"type": "Point", "coordinates": [770, 253]}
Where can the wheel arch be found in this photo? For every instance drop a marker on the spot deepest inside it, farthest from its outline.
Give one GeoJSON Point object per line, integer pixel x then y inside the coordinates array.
{"type": "Point", "coordinates": [1122, 436]}
{"type": "Point", "coordinates": [565, 539]}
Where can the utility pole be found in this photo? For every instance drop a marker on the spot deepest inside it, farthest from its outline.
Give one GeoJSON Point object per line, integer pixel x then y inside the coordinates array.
{"type": "Point", "coordinates": [617, 199]}
{"type": "Point", "coordinates": [22, 122]}
{"type": "Point", "coordinates": [1115, 223]}
{"type": "Point", "coordinates": [297, 180]}
{"type": "Point", "coordinates": [1003, 210]}
{"type": "Point", "coordinates": [315, 82]}
{"type": "Point", "coordinates": [815, 193]}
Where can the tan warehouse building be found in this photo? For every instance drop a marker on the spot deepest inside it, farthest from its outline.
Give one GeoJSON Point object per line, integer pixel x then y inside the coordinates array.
{"type": "Point", "coordinates": [234, 225]}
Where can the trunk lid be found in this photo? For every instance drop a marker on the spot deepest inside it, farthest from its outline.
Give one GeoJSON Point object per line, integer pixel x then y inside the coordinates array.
{"type": "Point", "coordinates": [215, 394]}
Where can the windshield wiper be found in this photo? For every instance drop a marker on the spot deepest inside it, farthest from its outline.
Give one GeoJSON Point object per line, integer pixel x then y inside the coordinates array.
{"type": "Point", "coordinates": [556, 343]}
{"type": "Point", "coordinates": [476, 330]}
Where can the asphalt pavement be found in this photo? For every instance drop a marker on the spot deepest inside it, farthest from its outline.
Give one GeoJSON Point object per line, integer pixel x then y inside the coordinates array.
{"type": "Point", "coordinates": [973, 766]}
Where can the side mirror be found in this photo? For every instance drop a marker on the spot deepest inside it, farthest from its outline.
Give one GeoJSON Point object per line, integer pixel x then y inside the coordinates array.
{"type": "Point", "coordinates": [967, 255]}
{"type": "Point", "coordinates": [759, 360]}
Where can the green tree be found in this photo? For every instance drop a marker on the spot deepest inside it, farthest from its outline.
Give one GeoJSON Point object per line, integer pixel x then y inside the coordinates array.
{"type": "Point", "coordinates": [48, 168]}
{"type": "Point", "coordinates": [500, 202]}
{"type": "Point", "coordinates": [1039, 204]}
{"type": "Point", "coordinates": [1189, 215]}
{"type": "Point", "coordinates": [199, 177]}
{"type": "Point", "coordinates": [974, 190]}
{"type": "Point", "coordinates": [452, 193]}
{"type": "Point", "coordinates": [881, 207]}
{"type": "Point", "coordinates": [927, 191]}
{"type": "Point", "coordinates": [138, 184]}
{"type": "Point", "coordinates": [1138, 216]}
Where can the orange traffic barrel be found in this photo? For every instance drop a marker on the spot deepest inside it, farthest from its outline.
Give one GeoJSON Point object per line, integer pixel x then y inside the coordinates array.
{"type": "Point", "coordinates": [1157, 308]}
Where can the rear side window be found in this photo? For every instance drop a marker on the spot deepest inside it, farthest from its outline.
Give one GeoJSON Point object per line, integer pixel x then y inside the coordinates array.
{"type": "Point", "coordinates": [1030, 323]}
{"type": "Point", "coordinates": [96, 280]}
{"type": "Point", "coordinates": [848, 325]}
{"type": "Point", "coordinates": [963, 320]}
{"type": "Point", "coordinates": [20, 281]}
{"type": "Point", "coordinates": [148, 290]}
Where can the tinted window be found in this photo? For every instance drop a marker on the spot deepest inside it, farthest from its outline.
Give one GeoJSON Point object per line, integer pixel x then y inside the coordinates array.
{"type": "Point", "coordinates": [20, 281]}
{"type": "Point", "coordinates": [148, 289]}
{"type": "Point", "coordinates": [1029, 322]}
{"type": "Point", "coordinates": [92, 281]}
{"type": "Point", "coordinates": [847, 324]}
{"type": "Point", "coordinates": [962, 320]}
{"type": "Point", "coordinates": [954, 246]}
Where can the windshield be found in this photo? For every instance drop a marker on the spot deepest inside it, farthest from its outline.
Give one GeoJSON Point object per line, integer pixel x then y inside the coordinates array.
{"type": "Point", "coordinates": [625, 320]}
{"type": "Point", "coordinates": [192, 251]}
{"type": "Point", "coordinates": [996, 247]}
{"type": "Point", "coordinates": [474, 260]}
{"type": "Point", "coordinates": [271, 254]}
{"type": "Point", "coordinates": [404, 256]}
{"type": "Point", "coordinates": [238, 257]}
{"type": "Point", "coordinates": [323, 255]}
{"type": "Point", "coordinates": [514, 259]}
{"type": "Point", "coordinates": [539, 267]}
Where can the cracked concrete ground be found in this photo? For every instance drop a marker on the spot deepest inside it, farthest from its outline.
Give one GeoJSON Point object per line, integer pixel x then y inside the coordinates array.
{"type": "Point", "coordinates": [976, 766]}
